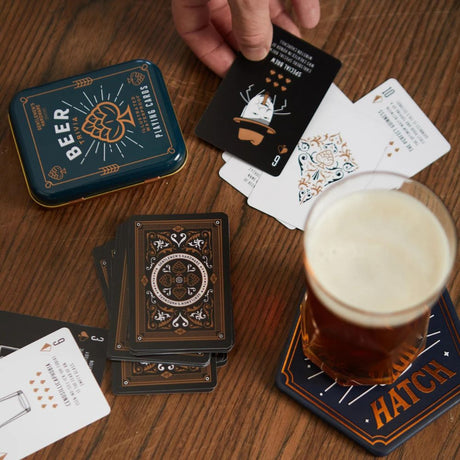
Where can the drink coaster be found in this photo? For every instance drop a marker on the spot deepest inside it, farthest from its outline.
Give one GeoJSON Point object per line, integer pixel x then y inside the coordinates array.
{"type": "Point", "coordinates": [381, 417]}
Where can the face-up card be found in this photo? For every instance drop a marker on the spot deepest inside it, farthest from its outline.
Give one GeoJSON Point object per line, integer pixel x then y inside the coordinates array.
{"type": "Point", "coordinates": [226, 156]}
{"type": "Point", "coordinates": [337, 142]}
{"type": "Point", "coordinates": [47, 393]}
{"type": "Point", "coordinates": [261, 109]}
{"type": "Point", "coordinates": [242, 176]}
{"type": "Point", "coordinates": [17, 331]}
{"type": "Point", "coordinates": [179, 273]}
{"type": "Point", "coordinates": [414, 141]}
{"type": "Point", "coordinates": [142, 377]}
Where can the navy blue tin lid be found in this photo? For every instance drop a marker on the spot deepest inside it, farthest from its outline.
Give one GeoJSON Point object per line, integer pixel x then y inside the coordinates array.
{"type": "Point", "coordinates": [96, 132]}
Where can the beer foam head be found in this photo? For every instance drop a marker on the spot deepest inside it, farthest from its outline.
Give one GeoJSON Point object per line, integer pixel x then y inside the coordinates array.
{"type": "Point", "coordinates": [377, 257]}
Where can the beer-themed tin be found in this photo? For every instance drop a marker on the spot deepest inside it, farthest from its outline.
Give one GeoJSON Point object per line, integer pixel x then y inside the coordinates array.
{"type": "Point", "coordinates": [96, 132]}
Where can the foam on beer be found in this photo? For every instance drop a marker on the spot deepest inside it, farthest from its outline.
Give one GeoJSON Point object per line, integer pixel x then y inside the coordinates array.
{"type": "Point", "coordinates": [380, 251]}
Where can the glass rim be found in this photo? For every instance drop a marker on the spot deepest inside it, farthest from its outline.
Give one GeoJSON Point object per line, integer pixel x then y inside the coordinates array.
{"type": "Point", "coordinates": [385, 314]}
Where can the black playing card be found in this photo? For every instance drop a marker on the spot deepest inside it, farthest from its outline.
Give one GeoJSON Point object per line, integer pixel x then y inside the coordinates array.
{"type": "Point", "coordinates": [261, 109]}
{"type": "Point", "coordinates": [142, 377]}
{"type": "Point", "coordinates": [102, 256]}
{"type": "Point", "coordinates": [17, 331]}
{"type": "Point", "coordinates": [178, 269]}
{"type": "Point", "coordinates": [110, 262]}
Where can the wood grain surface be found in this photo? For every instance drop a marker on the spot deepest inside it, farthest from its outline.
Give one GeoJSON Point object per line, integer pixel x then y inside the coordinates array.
{"type": "Point", "coordinates": [46, 266]}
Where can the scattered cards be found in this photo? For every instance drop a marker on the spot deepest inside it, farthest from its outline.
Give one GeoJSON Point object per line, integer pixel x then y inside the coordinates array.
{"type": "Point", "coordinates": [384, 130]}
{"type": "Point", "coordinates": [166, 281]}
{"type": "Point", "coordinates": [47, 393]}
{"type": "Point", "coordinates": [17, 331]}
{"type": "Point", "coordinates": [260, 110]}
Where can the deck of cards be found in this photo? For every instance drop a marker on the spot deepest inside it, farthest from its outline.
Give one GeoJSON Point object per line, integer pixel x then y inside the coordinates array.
{"type": "Point", "coordinates": [288, 132]}
{"type": "Point", "coordinates": [166, 283]}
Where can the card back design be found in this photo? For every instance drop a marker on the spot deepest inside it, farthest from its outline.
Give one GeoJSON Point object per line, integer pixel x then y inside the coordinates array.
{"type": "Point", "coordinates": [118, 348]}
{"type": "Point", "coordinates": [323, 160]}
{"type": "Point", "coordinates": [181, 290]}
{"type": "Point", "coordinates": [141, 377]}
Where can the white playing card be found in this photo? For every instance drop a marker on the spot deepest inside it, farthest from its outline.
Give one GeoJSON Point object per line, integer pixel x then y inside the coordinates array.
{"type": "Point", "coordinates": [415, 141]}
{"type": "Point", "coordinates": [47, 392]}
{"type": "Point", "coordinates": [226, 156]}
{"type": "Point", "coordinates": [242, 176]}
{"type": "Point", "coordinates": [337, 142]}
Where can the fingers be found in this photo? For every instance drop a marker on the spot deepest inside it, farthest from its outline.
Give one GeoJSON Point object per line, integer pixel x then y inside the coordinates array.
{"type": "Point", "coordinates": [192, 19]}
{"type": "Point", "coordinates": [221, 18]}
{"type": "Point", "coordinates": [252, 27]}
{"type": "Point", "coordinates": [308, 12]}
{"type": "Point", "coordinates": [252, 22]}
{"type": "Point", "coordinates": [211, 28]}
{"type": "Point", "coordinates": [281, 18]}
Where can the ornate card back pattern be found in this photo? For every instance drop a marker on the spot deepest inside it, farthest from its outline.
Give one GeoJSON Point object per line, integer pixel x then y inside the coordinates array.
{"type": "Point", "coordinates": [181, 283]}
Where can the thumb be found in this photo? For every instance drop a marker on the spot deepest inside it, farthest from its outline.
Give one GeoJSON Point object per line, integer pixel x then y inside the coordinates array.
{"type": "Point", "coordinates": [252, 27]}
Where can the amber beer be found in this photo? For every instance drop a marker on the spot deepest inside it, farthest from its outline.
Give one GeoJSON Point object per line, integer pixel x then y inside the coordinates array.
{"type": "Point", "coordinates": [378, 251]}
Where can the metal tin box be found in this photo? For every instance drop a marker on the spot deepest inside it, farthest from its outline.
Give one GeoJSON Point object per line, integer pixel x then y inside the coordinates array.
{"type": "Point", "coordinates": [96, 132]}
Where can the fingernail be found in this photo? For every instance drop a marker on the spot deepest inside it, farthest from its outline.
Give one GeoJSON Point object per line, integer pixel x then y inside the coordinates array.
{"type": "Point", "coordinates": [255, 53]}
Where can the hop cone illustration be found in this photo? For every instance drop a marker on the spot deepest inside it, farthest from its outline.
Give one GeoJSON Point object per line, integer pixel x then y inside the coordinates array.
{"type": "Point", "coordinates": [57, 173]}
{"type": "Point", "coordinates": [106, 122]}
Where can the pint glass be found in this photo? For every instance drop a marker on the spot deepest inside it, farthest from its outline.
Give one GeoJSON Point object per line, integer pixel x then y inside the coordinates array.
{"type": "Point", "coordinates": [378, 250]}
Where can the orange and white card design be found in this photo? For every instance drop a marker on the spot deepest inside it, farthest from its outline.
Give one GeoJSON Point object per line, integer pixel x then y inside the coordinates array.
{"type": "Point", "coordinates": [47, 392]}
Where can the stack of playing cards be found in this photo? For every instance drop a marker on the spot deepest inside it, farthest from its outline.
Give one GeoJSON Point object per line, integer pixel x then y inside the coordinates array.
{"type": "Point", "coordinates": [166, 282]}
{"type": "Point", "coordinates": [288, 132]}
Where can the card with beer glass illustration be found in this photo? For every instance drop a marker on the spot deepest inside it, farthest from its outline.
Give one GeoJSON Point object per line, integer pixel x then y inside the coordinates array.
{"type": "Point", "coordinates": [378, 250]}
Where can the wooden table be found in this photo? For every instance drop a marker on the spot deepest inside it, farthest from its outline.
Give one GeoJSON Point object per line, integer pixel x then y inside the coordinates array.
{"type": "Point", "coordinates": [46, 262]}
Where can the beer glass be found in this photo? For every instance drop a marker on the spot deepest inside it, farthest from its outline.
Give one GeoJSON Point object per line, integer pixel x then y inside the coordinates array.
{"type": "Point", "coordinates": [13, 406]}
{"type": "Point", "coordinates": [378, 250]}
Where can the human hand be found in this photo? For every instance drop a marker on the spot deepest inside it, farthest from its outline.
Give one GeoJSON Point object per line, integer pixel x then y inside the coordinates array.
{"type": "Point", "coordinates": [213, 29]}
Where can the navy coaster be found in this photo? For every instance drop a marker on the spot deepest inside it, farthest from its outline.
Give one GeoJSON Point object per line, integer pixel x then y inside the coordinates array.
{"type": "Point", "coordinates": [382, 417]}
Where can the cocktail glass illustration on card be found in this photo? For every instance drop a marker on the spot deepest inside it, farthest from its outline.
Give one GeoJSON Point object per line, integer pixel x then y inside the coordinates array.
{"type": "Point", "coordinates": [378, 250]}
{"type": "Point", "coordinates": [13, 406]}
